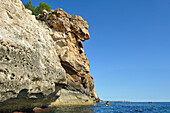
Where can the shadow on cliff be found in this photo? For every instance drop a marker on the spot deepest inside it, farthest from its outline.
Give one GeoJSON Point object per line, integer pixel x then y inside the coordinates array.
{"type": "Point", "coordinates": [26, 102]}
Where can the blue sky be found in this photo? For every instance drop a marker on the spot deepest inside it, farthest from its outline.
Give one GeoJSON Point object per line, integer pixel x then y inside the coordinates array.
{"type": "Point", "coordinates": [129, 48]}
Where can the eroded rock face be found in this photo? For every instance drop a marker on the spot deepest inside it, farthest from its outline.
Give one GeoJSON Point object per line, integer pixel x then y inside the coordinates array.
{"type": "Point", "coordinates": [68, 33]}
{"type": "Point", "coordinates": [29, 64]}
{"type": "Point", "coordinates": [42, 62]}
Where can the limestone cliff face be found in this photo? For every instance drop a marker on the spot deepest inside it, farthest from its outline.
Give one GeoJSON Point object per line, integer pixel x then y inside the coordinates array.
{"type": "Point", "coordinates": [42, 62]}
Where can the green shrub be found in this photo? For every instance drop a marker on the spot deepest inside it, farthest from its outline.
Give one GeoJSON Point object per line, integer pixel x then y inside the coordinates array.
{"type": "Point", "coordinates": [38, 9]}
{"type": "Point", "coordinates": [41, 7]}
{"type": "Point", "coordinates": [29, 6]}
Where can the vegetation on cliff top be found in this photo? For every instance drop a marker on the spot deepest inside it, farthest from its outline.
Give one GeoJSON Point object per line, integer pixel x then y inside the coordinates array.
{"type": "Point", "coordinates": [38, 9]}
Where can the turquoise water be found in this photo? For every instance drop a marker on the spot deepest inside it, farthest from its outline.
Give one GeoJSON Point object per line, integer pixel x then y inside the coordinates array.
{"type": "Point", "coordinates": [116, 107]}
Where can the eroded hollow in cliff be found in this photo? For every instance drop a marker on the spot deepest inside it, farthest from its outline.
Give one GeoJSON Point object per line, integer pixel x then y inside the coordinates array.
{"type": "Point", "coordinates": [80, 44]}
{"type": "Point", "coordinates": [74, 79]}
{"type": "Point", "coordinates": [69, 69]}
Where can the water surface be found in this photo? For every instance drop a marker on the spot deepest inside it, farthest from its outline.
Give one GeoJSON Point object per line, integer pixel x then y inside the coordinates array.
{"type": "Point", "coordinates": [116, 107]}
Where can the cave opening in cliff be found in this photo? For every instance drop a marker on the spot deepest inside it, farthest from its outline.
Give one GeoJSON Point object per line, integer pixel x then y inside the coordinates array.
{"type": "Point", "coordinates": [80, 44]}
{"type": "Point", "coordinates": [83, 82]}
{"type": "Point", "coordinates": [51, 27]}
{"type": "Point", "coordinates": [80, 51]}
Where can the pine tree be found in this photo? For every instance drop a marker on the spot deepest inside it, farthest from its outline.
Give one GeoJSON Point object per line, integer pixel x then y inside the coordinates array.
{"type": "Point", "coordinates": [41, 7]}
{"type": "Point", "coordinates": [38, 9]}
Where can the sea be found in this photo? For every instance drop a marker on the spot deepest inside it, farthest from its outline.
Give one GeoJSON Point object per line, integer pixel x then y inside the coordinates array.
{"type": "Point", "coordinates": [116, 107]}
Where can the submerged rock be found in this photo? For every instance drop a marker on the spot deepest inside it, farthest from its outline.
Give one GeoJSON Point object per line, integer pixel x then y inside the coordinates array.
{"type": "Point", "coordinates": [42, 62]}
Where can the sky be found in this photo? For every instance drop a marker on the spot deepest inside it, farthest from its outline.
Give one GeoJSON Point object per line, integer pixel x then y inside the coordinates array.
{"type": "Point", "coordinates": [129, 46]}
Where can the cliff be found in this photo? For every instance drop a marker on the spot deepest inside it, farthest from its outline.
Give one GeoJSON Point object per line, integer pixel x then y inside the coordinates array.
{"type": "Point", "coordinates": [42, 62]}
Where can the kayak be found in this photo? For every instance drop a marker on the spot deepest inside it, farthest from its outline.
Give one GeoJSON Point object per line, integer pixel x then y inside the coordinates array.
{"type": "Point", "coordinates": [107, 104]}
{"type": "Point", "coordinates": [40, 109]}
